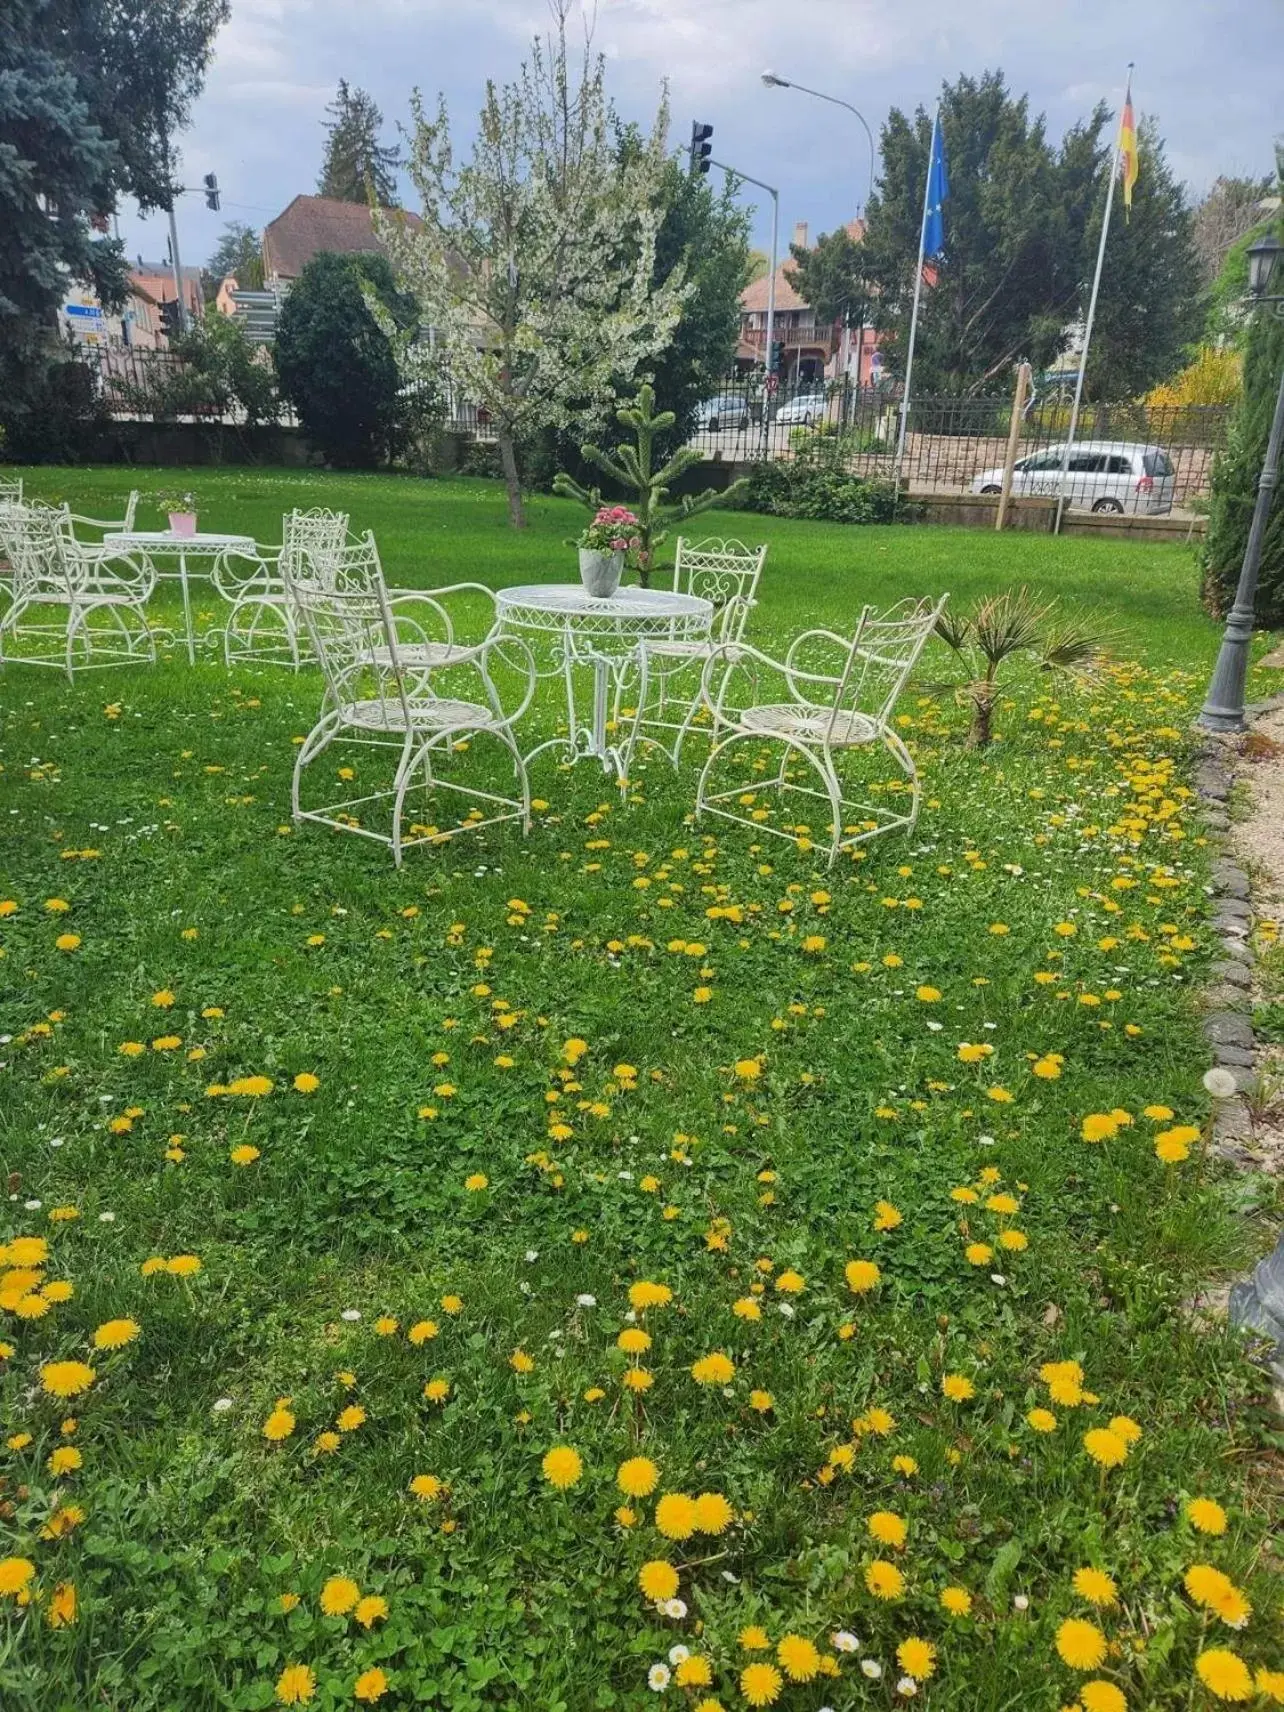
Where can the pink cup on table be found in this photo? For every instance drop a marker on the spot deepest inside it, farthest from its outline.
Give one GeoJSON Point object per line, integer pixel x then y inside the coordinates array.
{"type": "Point", "coordinates": [182, 523]}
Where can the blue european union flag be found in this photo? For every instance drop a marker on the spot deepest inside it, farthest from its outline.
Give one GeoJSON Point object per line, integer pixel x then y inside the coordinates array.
{"type": "Point", "coordinates": [938, 188]}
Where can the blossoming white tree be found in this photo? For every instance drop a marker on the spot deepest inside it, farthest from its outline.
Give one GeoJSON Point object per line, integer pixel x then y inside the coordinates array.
{"type": "Point", "coordinates": [533, 263]}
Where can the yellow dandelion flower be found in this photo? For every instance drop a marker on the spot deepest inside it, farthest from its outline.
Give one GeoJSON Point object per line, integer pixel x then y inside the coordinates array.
{"type": "Point", "coordinates": [115, 1334]}
{"type": "Point", "coordinates": [676, 1516]}
{"type": "Point", "coordinates": [1101, 1696]}
{"type": "Point", "coordinates": [638, 1477]}
{"type": "Point", "coordinates": [1224, 1674]}
{"type": "Point", "coordinates": [917, 1658]}
{"type": "Point", "coordinates": [296, 1685]}
{"type": "Point", "coordinates": [279, 1424]}
{"type": "Point", "coordinates": [370, 1610]}
{"type": "Point", "coordinates": [798, 1658]}
{"type": "Point", "coordinates": [658, 1580]}
{"type": "Point", "coordinates": [66, 1378]}
{"type": "Point", "coordinates": [1080, 1644]}
{"type": "Point", "coordinates": [760, 1684]}
{"type": "Point", "coordinates": [887, 1528]}
{"type": "Point", "coordinates": [884, 1580]}
{"type": "Point", "coordinates": [1096, 1587]}
{"type": "Point", "coordinates": [1205, 1516]}
{"type": "Point", "coordinates": [562, 1466]}
{"type": "Point", "coordinates": [339, 1595]}
{"type": "Point", "coordinates": [1105, 1448]}
{"type": "Point", "coordinates": [862, 1276]}
{"type": "Point", "coordinates": [713, 1513]}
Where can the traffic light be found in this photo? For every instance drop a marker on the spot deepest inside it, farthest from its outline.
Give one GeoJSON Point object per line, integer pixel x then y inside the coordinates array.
{"type": "Point", "coordinates": [211, 192]}
{"type": "Point", "coordinates": [171, 322]}
{"type": "Point", "coordinates": [701, 147]}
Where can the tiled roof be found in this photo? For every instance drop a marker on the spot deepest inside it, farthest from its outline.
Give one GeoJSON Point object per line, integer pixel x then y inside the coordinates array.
{"type": "Point", "coordinates": [312, 224]}
{"type": "Point", "coordinates": [754, 297]}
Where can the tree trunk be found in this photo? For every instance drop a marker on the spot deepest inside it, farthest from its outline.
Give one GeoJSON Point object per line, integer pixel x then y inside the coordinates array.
{"type": "Point", "coordinates": [512, 481]}
{"type": "Point", "coordinates": [981, 730]}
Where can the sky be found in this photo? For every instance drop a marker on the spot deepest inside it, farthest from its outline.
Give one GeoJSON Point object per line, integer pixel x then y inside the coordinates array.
{"type": "Point", "coordinates": [1207, 70]}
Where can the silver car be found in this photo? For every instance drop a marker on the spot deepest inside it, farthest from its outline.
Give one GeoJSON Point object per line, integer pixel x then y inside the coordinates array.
{"type": "Point", "coordinates": [1104, 475]}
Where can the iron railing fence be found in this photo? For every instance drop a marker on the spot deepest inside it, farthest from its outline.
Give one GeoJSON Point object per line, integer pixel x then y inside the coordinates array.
{"type": "Point", "coordinates": [952, 444]}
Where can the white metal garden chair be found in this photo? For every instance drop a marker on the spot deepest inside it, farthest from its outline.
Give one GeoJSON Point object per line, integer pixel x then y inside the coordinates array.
{"type": "Point", "coordinates": [726, 574]}
{"type": "Point", "coordinates": [10, 490]}
{"type": "Point", "coordinates": [123, 524]}
{"type": "Point", "coordinates": [262, 626]}
{"type": "Point", "coordinates": [73, 604]}
{"type": "Point", "coordinates": [377, 696]}
{"type": "Point", "coordinates": [841, 701]}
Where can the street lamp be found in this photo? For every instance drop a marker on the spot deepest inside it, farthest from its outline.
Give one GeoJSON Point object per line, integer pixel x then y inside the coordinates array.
{"type": "Point", "coordinates": [774, 82]}
{"type": "Point", "coordinates": [1224, 708]}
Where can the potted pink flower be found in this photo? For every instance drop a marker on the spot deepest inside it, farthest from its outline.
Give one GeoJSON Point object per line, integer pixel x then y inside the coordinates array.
{"type": "Point", "coordinates": [603, 544]}
{"type": "Point", "coordinates": [181, 510]}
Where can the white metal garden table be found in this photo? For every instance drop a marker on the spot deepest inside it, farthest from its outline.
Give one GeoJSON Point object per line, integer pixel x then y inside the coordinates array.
{"type": "Point", "coordinates": [211, 551]}
{"type": "Point", "coordinates": [578, 630]}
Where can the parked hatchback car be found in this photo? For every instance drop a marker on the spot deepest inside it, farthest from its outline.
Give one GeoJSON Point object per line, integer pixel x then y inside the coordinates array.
{"type": "Point", "coordinates": [729, 410]}
{"type": "Point", "coordinates": [802, 409]}
{"type": "Point", "coordinates": [1104, 475]}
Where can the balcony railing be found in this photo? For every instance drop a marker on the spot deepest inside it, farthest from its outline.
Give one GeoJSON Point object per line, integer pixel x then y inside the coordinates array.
{"type": "Point", "coordinates": [792, 338]}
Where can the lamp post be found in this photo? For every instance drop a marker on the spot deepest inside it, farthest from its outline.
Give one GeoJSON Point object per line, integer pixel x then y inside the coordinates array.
{"type": "Point", "coordinates": [772, 81]}
{"type": "Point", "coordinates": [1223, 709]}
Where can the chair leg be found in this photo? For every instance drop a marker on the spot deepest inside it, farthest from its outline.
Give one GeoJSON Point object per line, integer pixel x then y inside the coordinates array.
{"type": "Point", "coordinates": [405, 771]}
{"type": "Point", "coordinates": [510, 743]}
{"type": "Point", "coordinates": [905, 761]}
{"type": "Point", "coordinates": [318, 739]}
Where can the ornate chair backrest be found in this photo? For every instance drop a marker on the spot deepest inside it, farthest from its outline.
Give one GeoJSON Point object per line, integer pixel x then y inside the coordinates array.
{"type": "Point", "coordinates": [883, 653]}
{"type": "Point", "coordinates": [38, 543]}
{"type": "Point", "coordinates": [318, 533]}
{"type": "Point", "coordinates": [11, 491]}
{"type": "Point", "coordinates": [724, 572]}
{"type": "Point", "coordinates": [341, 597]}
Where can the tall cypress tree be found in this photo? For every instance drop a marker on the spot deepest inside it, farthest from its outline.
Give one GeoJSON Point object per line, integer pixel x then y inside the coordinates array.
{"type": "Point", "coordinates": [355, 162]}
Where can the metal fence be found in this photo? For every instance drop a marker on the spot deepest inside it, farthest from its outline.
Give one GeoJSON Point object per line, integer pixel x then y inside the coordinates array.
{"type": "Point", "coordinates": [952, 444]}
{"type": "Point", "coordinates": [152, 384]}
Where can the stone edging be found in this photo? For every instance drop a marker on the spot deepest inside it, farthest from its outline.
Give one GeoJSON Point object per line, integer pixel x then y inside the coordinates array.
{"type": "Point", "coordinates": [1256, 1302]}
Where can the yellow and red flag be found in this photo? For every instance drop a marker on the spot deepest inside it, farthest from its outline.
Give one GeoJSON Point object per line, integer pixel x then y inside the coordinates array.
{"type": "Point", "coordinates": [1128, 150]}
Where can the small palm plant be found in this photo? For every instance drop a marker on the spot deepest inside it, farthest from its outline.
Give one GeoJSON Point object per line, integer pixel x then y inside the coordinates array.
{"type": "Point", "coordinates": [648, 489]}
{"type": "Point", "coordinates": [1003, 628]}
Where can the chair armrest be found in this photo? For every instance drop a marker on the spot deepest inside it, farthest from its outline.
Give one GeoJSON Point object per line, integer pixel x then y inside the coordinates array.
{"type": "Point", "coordinates": [115, 570]}
{"type": "Point", "coordinates": [796, 674]}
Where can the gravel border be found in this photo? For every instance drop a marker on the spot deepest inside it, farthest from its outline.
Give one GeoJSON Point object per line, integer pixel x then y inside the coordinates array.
{"type": "Point", "coordinates": [1256, 1302]}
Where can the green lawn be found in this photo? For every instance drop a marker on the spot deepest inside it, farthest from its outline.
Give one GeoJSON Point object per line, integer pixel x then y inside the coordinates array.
{"type": "Point", "coordinates": [666, 1055]}
{"type": "Point", "coordinates": [437, 531]}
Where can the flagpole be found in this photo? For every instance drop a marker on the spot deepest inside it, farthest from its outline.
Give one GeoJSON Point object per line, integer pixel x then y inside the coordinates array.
{"type": "Point", "coordinates": [918, 288]}
{"type": "Point", "coordinates": [1092, 313]}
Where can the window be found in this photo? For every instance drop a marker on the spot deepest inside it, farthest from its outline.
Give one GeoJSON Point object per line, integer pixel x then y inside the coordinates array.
{"type": "Point", "coordinates": [1087, 463]}
{"type": "Point", "coordinates": [1158, 464]}
{"type": "Point", "coordinates": [1117, 465]}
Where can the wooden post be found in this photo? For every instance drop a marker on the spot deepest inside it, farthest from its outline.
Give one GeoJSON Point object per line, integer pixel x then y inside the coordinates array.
{"type": "Point", "coordinates": [1014, 434]}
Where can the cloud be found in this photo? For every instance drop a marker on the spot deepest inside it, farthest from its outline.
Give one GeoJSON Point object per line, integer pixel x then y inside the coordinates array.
{"type": "Point", "coordinates": [1209, 74]}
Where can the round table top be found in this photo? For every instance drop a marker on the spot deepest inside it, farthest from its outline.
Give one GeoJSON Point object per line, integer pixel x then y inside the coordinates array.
{"type": "Point", "coordinates": [165, 540]}
{"type": "Point", "coordinates": [628, 608]}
